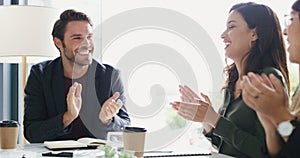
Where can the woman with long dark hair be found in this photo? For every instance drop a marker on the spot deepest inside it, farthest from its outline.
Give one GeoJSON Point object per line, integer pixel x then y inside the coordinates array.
{"type": "Point", "coordinates": [253, 40]}
{"type": "Point", "coordinates": [280, 119]}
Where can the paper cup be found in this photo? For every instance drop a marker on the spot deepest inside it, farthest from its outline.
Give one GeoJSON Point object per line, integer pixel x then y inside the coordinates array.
{"type": "Point", "coordinates": [134, 140]}
{"type": "Point", "coordinates": [8, 134]}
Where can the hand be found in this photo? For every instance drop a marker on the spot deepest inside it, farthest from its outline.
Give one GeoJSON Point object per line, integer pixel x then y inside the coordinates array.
{"type": "Point", "coordinates": [187, 94]}
{"type": "Point", "coordinates": [74, 100]}
{"type": "Point", "coordinates": [198, 112]}
{"type": "Point", "coordinates": [110, 108]}
{"type": "Point", "coordinates": [265, 95]}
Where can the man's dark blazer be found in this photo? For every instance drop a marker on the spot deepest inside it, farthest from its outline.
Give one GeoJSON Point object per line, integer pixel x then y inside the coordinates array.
{"type": "Point", "coordinates": [45, 101]}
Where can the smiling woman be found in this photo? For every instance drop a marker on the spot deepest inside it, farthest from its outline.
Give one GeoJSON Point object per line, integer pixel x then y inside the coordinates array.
{"type": "Point", "coordinates": [253, 40]}
{"type": "Point", "coordinates": [279, 118]}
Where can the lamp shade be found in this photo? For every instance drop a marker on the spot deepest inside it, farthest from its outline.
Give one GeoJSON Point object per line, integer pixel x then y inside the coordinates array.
{"type": "Point", "coordinates": [26, 31]}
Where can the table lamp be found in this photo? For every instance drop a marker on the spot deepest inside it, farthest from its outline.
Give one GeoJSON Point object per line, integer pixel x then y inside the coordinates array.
{"type": "Point", "coordinates": [26, 32]}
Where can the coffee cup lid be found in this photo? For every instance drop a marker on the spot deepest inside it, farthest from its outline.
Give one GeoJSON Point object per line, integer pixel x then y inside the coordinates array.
{"type": "Point", "coordinates": [135, 129]}
{"type": "Point", "coordinates": [9, 123]}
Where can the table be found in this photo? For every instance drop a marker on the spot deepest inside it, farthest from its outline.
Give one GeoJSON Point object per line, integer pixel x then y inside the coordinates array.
{"type": "Point", "coordinates": [35, 150]}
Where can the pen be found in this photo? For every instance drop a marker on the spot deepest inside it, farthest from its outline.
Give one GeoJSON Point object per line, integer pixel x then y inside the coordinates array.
{"type": "Point", "coordinates": [58, 154]}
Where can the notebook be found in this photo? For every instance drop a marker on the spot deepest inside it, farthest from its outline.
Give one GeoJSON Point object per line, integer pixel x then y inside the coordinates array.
{"type": "Point", "coordinates": [85, 143]}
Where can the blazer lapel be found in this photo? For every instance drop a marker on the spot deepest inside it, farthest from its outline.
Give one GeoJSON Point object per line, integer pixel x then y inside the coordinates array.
{"type": "Point", "coordinates": [57, 88]}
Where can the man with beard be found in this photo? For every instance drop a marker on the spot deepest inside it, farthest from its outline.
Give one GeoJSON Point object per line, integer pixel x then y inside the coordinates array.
{"type": "Point", "coordinates": [73, 96]}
